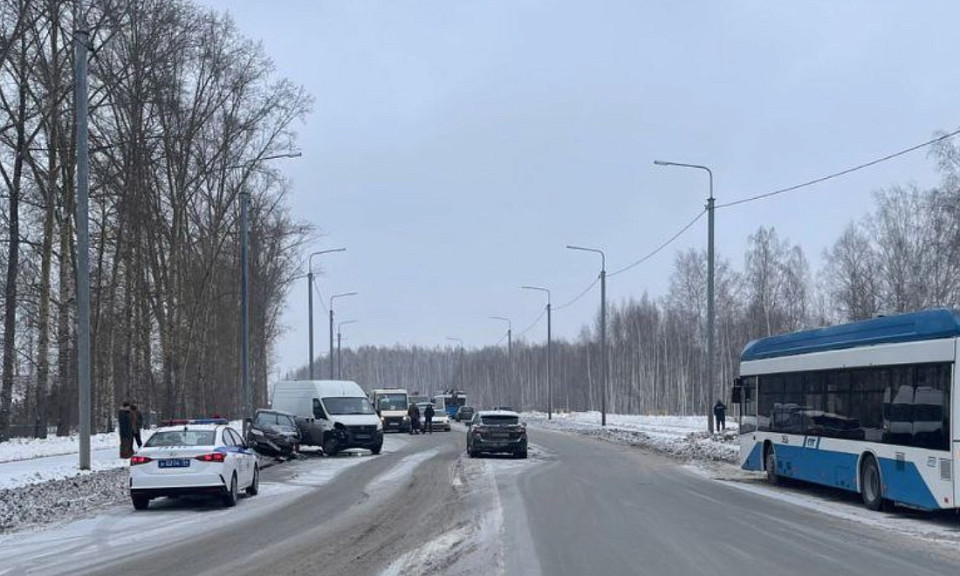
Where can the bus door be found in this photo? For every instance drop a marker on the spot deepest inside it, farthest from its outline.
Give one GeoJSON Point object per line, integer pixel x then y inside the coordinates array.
{"type": "Point", "coordinates": [745, 398]}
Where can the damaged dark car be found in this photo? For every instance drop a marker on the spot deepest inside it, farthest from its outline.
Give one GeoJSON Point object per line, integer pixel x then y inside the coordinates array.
{"type": "Point", "coordinates": [274, 433]}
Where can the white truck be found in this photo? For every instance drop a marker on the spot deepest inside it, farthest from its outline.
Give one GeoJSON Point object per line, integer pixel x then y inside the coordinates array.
{"type": "Point", "coordinates": [391, 405]}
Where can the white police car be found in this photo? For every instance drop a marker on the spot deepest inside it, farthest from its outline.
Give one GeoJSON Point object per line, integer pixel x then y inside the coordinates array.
{"type": "Point", "coordinates": [193, 457]}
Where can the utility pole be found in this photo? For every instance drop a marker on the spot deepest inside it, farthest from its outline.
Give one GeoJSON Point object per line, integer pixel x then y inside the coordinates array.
{"type": "Point", "coordinates": [603, 345]}
{"type": "Point", "coordinates": [246, 388]}
{"type": "Point", "coordinates": [549, 354]}
{"type": "Point", "coordinates": [603, 330]}
{"type": "Point", "coordinates": [310, 297]}
{"type": "Point", "coordinates": [332, 298]}
{"type": "Point", "coordinates": [82, 45]}
{"type": "Point", "coordinates": [339, 362]}
{"type": "Point", "coordinates": [711, 377]}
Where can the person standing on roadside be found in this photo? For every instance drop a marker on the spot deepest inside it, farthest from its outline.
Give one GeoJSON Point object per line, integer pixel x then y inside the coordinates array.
{"type": "Point", "coordinates": [720, 411]}
{"type": "Point", "coordinates": [428, 418]}
{"type": "Point", "coordinates": [414, 413]}
{"type": "Point", "coordinates": [125, 427]}
{"type": "Point", "coordinates": [136, 421]}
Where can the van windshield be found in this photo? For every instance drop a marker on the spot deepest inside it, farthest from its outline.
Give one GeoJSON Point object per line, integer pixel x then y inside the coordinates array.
{"type": "Point", "coordinates": [346, 406]}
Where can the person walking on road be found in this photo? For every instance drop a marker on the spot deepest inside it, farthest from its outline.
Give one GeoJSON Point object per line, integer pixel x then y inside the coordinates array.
{"type": "Point", "coordinates": [136, 421]}
{"type": "Point", "coordinates": [428, 418]}
{"type": "Point", "coordinates": [720, 412]}
{"type": "Point", "coordinates": [125, 427]}
{"type": "Point", "coordinates": [414, 413]}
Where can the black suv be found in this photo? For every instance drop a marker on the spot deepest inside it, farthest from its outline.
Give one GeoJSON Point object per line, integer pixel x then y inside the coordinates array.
{"type": "Point", "coordinates": [464, 414]}
{"type": "Point", "coordinates": [497, 431]}
{"type": "Point", "coordinates": [274, 433]}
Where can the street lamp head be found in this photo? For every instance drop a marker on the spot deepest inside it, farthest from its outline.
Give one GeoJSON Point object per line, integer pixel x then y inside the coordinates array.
{"type": "Point", "coordinates": [603, 257]}
{"type": "Point", "coordinates": [342, 295]}
{"type": "Point", "coordinates": [318, 253]}
{"type": "Point", "coordinates": [504, 319]}
{"type": "Point", "coordinates": [539, 289]}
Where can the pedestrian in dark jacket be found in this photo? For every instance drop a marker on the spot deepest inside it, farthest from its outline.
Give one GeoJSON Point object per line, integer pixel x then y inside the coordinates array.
{"type": "Point", "coordinates": [414, 413]}
{"type": "Point", "coordinates": [136, 421]}
{"type": "Point", "coordinates": [720, 411]}
{"type": "Point", "coordinates": [125, 427]}
{"type": "Point", "coordinates": [428, 418]}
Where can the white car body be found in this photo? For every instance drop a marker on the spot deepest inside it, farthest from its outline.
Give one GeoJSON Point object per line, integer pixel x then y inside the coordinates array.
{"type": "Point", "coordinates": [193, 458]}
{"type": "Point", "coordinates": [440, 420]}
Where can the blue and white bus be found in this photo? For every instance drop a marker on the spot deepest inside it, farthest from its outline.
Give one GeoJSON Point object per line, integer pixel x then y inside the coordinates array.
{"type": "Point", "coordinates": [865, 407]}
{"type": "Point", "coordinates": [449, 402]}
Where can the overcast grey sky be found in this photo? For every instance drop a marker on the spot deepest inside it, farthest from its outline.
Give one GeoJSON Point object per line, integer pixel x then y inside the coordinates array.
{"type": "Point", "coordinates": [456, 146]}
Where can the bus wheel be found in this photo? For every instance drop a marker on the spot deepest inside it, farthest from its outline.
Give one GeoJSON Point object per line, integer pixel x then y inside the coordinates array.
{"type": "Point", "coordinates": [871, 488]}
{"type": "Point", "coordinates": [770, 465]}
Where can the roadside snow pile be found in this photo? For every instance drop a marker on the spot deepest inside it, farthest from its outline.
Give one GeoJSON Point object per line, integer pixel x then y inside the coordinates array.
{"type": "Point", "coordinates": [680, 436]}
{"type": "Point", "coordinates": [64, 499]}
{"type": "Point", "coordinates": [28, 448]}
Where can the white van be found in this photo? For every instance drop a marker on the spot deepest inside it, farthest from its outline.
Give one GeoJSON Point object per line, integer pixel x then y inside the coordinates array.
{"type": "Point", "coordinates": [391, 404]}
{"type": "Point", "coordinates": [332, 414]}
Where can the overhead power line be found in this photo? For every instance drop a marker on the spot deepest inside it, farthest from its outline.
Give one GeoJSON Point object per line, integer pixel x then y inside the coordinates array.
{"type": "Point", "coordinates": [532, 324]}
{"type": "Point", "coordinates": [581, 295]}
{"type": "Point", "coordinates": [843, 172]}
{"type": "Point", "coordinates": [320, 295]}
{"type": "Point", "coordinates": [659, 248]}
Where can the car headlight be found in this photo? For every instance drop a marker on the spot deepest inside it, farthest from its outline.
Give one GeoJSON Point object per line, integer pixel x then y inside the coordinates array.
{"type": "Point", "coordinates": [380, 424]}
{"type": "Point", "coordinates": [406, 418]}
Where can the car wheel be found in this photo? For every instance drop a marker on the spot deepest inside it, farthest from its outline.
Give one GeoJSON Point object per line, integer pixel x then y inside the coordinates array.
{"type": "Point", "coordinates": [254, 488]}
{"type": "Point", "coordinates": [140, 502]}
{"type": "Point", "coordinates": [330, 446]}
{"type": "Point", "coordinates": [376, 449]}
{"type": "Point", "coordinates": [521, 454]}
{"type": "Point", "coordinates": [871, 486]}
{"type": "Point", "coordinates": [230, 498]}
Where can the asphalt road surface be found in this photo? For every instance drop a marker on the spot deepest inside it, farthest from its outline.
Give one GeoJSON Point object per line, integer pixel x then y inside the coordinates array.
{"type": "Point", "coordinates": [598, 508]}
{"type": "Point", "coordinates": [578, 506]}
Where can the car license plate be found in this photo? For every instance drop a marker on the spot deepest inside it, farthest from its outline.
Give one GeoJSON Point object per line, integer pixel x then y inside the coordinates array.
{"type": "Point", "coordinates": [174, 463]}
{"type": "Point", "coordinates": [362, 436]}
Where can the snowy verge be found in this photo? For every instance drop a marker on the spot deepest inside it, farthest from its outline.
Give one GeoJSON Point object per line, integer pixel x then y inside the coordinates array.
{"type": "Point", "coordinates": [683, 437]}
{"type": "Point", "coordinates": [61, 499]}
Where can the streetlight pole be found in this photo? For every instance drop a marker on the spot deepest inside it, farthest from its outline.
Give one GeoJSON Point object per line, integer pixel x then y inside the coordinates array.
{"type": "Point", "coordinates": [549, 353]}
{"type": "Point", "coordinates": [245, 290]}
{"type": "Point", "coordinates": [82, 46]}
{"type": "Point", "coordinates": [339, 363]}
{"type": "Point", "coordinates": [310, 296]}
{"type": "Point", "coordinates": [509, 353]}
{"type": "Point", "coordinates": [460, 362]}
{"type": "Point", "coordinates": [603, 330]}
{"type": "Point", "coordinates": [711, 377]}
{"type": "Point", "coordinates": [332, 298]}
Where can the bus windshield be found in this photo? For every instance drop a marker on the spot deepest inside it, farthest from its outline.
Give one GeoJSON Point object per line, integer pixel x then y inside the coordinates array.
{"type": "Point", "coordinates": [392, 402]}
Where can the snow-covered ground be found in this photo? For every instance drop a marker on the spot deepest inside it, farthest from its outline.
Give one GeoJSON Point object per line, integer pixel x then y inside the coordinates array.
{"type": "Point", "coordinates": [682, 436]}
